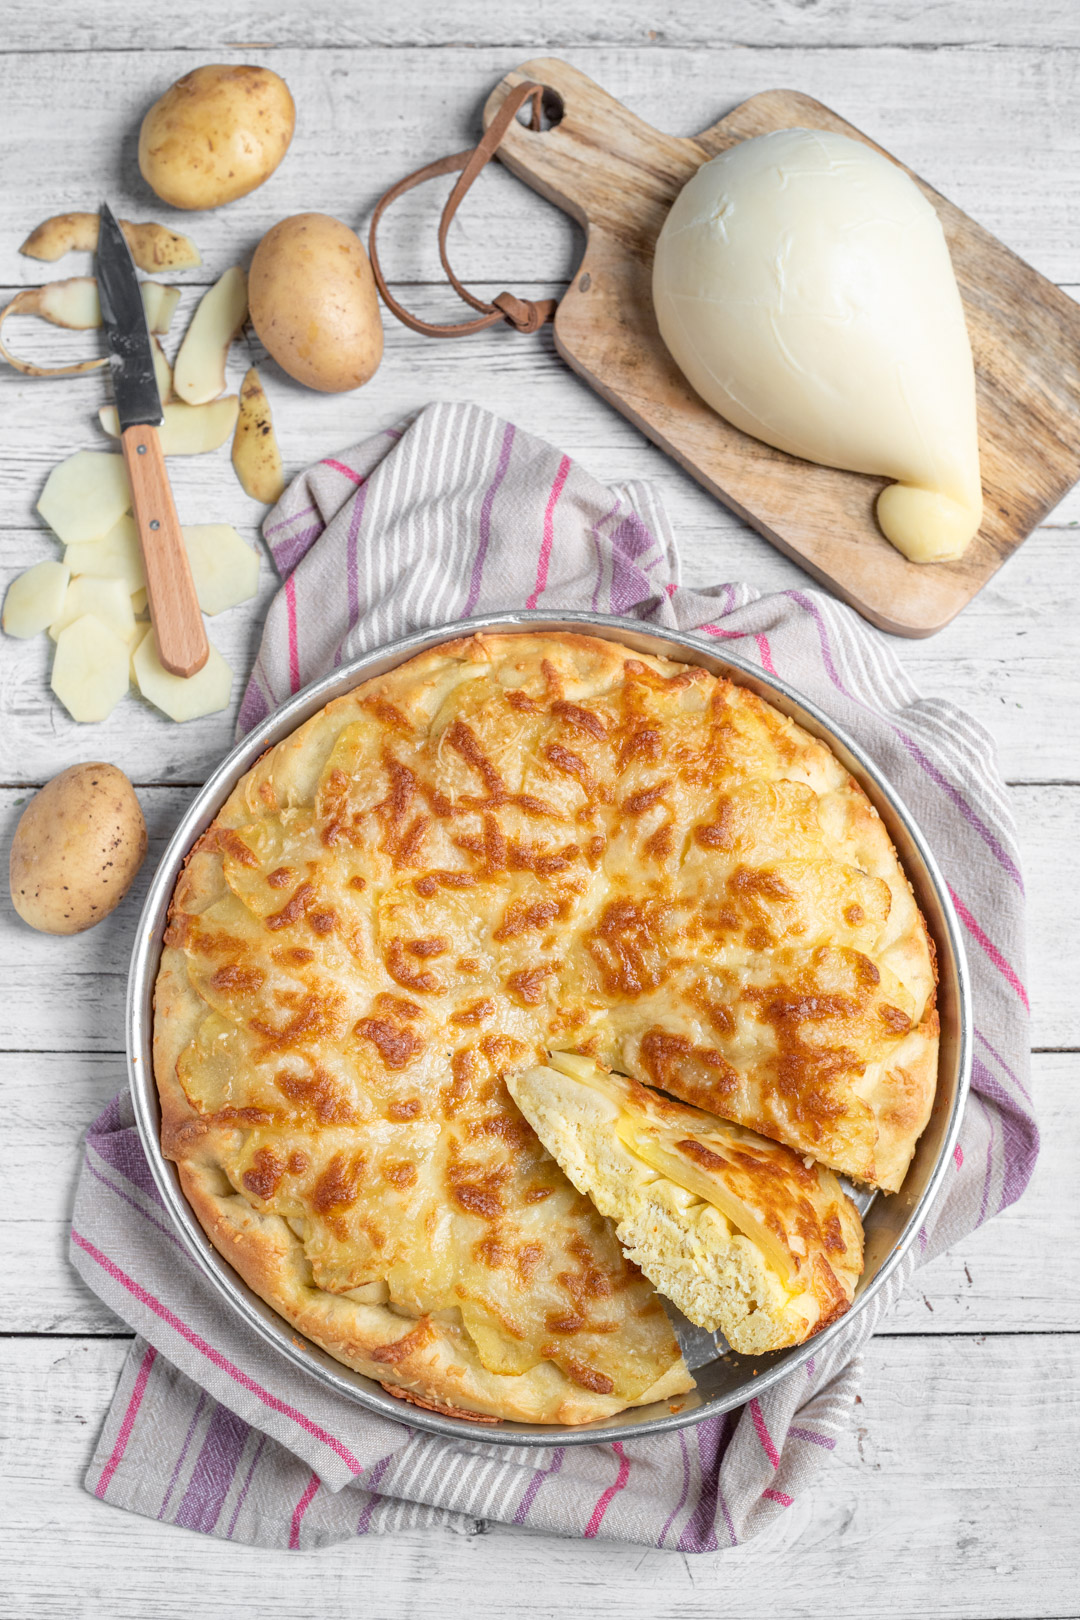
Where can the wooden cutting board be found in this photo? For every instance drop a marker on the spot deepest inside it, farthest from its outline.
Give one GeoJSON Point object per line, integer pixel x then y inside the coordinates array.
{"type": "Point", "coordinates": [617, 176]}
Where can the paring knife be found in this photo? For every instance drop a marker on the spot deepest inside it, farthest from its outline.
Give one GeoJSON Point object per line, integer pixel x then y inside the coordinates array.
{"type": "Point", "coordinates": [174, 608]}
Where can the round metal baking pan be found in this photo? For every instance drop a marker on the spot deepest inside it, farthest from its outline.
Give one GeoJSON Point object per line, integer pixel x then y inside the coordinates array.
{"type": "Point", "coordinates": [891, 1222]}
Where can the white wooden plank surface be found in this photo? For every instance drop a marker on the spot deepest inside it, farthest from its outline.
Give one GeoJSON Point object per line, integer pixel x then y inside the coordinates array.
{"type": "Point", "coordinates": [909, 1518]}
{"type": "Point", "coordinates": [961, 1491]}
{"type": "Point", "coordinates": [990, 128]}
{"type": "Point", "coordinates": [202, 25]}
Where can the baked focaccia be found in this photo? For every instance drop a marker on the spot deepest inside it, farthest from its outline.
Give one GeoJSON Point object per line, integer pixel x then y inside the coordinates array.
{"type": "Point", "coordinates": [509, 844]}
{"type": "Point", "coordinates": [738, 1232]}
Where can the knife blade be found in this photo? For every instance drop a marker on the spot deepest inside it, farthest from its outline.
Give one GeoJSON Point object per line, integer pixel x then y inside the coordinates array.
{"type": "Point", "coordinates": [182, 647]}
{"type": "Point", "coordinates": [131, 355]}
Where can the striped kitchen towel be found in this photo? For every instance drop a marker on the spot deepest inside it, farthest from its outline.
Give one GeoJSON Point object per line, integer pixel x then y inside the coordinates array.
{"type": "Point", "coordinates": [458, 513]}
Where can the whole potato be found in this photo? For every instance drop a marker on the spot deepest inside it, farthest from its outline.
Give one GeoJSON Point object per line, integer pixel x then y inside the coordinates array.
{"type": "Point", "coordinates": [76, 850]}
{"type": "Point", "coordinates": [215, 135]}
{"type": "Point", "coordinates": [312, 300]}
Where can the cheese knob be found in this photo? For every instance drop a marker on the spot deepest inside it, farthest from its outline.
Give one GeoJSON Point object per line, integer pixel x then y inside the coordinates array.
{"type": "Point", "coordinates": [926, 525]}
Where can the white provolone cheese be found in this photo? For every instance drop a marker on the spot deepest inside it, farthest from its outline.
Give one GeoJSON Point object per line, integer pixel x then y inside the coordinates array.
{"type": "Point", "coordinates": [803, 285]}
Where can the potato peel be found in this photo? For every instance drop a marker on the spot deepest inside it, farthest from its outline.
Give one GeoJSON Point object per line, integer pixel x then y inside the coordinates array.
{"type": "Point", "coordinates": [62, 303]}
{"type": "Point", "coordinates": [162, 370]}
{"type": "Point", "coordinates": [199, 370]}
{"type": "Point", "coordinates": [159, 302]}
{"type": "Point", "coordinates": [153, 247]}
{"type": "Point", "coordinates": [74, 304]}
{"type": "Point", "coordinates": [256, 458]}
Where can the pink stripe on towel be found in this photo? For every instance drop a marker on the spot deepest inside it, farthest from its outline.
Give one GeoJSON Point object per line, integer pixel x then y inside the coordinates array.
{"type": "Point", "coordinates": [609, 1495]}
{"type": "Point", "coordinates": [1008, 973]}
{"type": "Point", "coordinates": [215, 1356]}
{"type": "Point", "coordinates": [129, 1421]}
{"type": "Point", "coordinates": [763, 1434]}
{"type": "Point", "coordinates": [300, 1509]}
{"type": "Point", "coordinates": [339, 466]}
{"type": "Point", "coordinates": [294, 644]}
{"type": "Point", "coordinates": [549, 532]}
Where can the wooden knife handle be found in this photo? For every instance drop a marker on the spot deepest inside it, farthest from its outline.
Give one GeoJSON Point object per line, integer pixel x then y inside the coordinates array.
{"type": "Point", "coordinates": [174, 607]}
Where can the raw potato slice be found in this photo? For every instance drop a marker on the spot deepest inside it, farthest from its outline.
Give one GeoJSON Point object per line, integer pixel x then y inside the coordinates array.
{"type": "Point", "coordinates": [85, 497]}
{"type": "Point", "coordinates": [160, 303]}
{"type": "Point", "coordinates": [90, 670]}
{"type": "Point", "coordinates": [225, 569]}
{"type": "Point", "coordinates": [107, 599]}
{"type": "Point", "coordinates": [141, 633]}
{"type": "Point", "coordinates": [138, 602]}
{"type": "Point", "coordinates": [153, 247]}
{"type": "Point", "coordinates": [199, 372]}
{"type": "Point", "coordinates": [117, 555]}
{"type": "Point", "coordinates": [205, 692]}
{"type": "Point", "coordinates": [255, 454]}
{"type": "Point", "coordinates": [162, 370]}
{"type": "Point", "coordinates": [35, 598]}
{"type": "Point", "coordinates": [188, 430]}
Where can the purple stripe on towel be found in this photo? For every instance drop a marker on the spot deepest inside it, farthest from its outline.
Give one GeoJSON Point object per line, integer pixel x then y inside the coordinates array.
{"type": "Point", "coordinates": [632, 538]}
{"type": "Point", "coordinates": [814, 1438]}
{"type": "Point", "coordinates": [124, 1197]}
{"type": "Point", "coordinates": [681, 1503]}
{"type": "Point", "coordinates": [283, 523]}
{"type": "Point", "coordinates": [122, 1151]}
{"type": "Point", "coordinates": [988, 1174]}
{"type": "Point", "coordinates": [371, 1483]}
{"type": "Point", "coordinates": [214, 1471]}
{"type": "Point", "coordinates": [485, 520]}
{"type": "Point", "coordinates": [289, 552]}
{"type": "Point", "coordinates": [245, 1487]}
{"type": "Point", "coordinates": [351, 569]}
{"type": "Point", "coordinates": [533, 1487]}
{"type": "Point", "coordinates": [594, 534]}
{"type": "Point", "coordinates": [195, 1416]}
{"type": "Point", "coordinates": [253, 709]}
{"type": "Point", "coordinates": [996, 1055]}
{"type": "Point", "coordinates": [110, 1119]}
{"type": "Point", "coordinates": [1019, 1132]}
{"type": "Point", "coordinates": [712, 1438]}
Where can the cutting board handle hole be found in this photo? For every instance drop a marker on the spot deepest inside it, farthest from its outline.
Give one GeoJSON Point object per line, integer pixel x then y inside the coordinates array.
{"type": "Point", "coordinates": [551, 111]}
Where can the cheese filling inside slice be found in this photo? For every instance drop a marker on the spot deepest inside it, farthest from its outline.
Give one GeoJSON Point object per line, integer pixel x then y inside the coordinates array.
{"type": "Point", "coordinates": [738, 1232]}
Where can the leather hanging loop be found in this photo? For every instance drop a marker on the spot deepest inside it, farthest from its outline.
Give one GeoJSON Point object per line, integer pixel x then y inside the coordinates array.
{"type": "Point", "coordinates": [524, 314]}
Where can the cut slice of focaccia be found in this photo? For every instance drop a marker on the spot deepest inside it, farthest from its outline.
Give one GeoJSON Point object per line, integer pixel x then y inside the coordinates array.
{"type": "Point", "coordinates": [742, 1234]}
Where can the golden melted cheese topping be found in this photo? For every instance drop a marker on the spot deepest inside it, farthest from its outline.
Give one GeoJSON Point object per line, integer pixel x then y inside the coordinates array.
{"type": "Point", "coordinates": [507, 845]}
